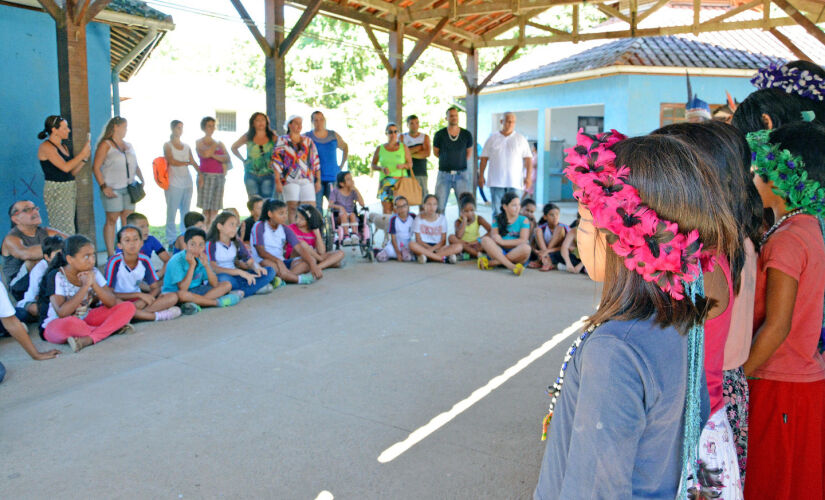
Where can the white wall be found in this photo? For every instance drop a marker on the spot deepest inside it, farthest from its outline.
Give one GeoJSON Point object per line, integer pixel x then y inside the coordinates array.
{"type": "Point", "coordinates": [526, 123]}
{"type": "Point", "coordinates": [563, 123]}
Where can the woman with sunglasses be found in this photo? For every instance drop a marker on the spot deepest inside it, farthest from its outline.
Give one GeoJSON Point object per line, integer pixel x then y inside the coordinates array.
{"type": "Point", "coordinates": [59, 169]}
{"type": "Point", "coordinates": [391, 159]}
{"type": "Point", "coordinates": [258, 176]}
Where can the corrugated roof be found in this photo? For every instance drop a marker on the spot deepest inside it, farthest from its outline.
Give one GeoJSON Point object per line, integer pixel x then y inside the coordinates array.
{"type": "Point", "coordinates": [136, 8]}
{"type": "Point", "coordinates": [658, 51]}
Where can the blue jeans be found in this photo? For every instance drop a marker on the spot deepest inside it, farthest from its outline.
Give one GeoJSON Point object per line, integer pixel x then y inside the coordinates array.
{"type": "Point", "coordinates": [239, 283]}
{"type": "Point", "coordinates": [496, 194]}
{"type": "Point", "coordinates": [262, 185]}
{"type": "Point", "coordinates": [177, 200]}
{"type": "Point", "coordinates": [326, 190]}
{"type": "Point", "coordinates": [459, 181]}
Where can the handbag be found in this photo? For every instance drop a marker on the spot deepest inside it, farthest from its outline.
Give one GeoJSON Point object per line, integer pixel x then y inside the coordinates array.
{"type": "Point", "coordinates": [409, 188]}
{"type": "Point", "coordinates": [135, 189]}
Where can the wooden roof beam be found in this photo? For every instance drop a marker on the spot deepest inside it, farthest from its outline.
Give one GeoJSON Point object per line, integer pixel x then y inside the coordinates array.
{"type": "Point", "coordinates": [91, 10]}
{"type": "Point", "coordinates": [500, 65]}
{"type": "Point", "coordinates": [732, 12]}
{"type": "Point", "coordinates": [650, 10]}
{"type": "Point", "coordinates": [610, 11]}
{"type": "Point", "coordinates": [378, 49]}
{"type": "Point", "coordinates": [550, 29]}
{"type": "Point", "coordinates": [421, 45]}
{"type": "Point", "coordinates": [300, 25]}
{"type": "Point", "coordinates": [53, 10]}
{"type": "Point", "coordinates": [461, 71]}
{"type": "Point", "coordinates": [800, 19]}
{"type": "Point", "coordinates": [787, 42]}
{"type": "Point", "coordinates": [253, 28]}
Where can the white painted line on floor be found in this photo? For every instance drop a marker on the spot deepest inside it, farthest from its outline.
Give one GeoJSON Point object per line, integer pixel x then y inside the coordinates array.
{"type": "Point", "coordinates": [439, 421]}
{"type": "Point", "coordinates": [324, 495]}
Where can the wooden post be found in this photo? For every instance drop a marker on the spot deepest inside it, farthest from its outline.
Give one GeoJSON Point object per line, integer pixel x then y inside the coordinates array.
{"type": "Point", "coordinates": [275, 67]}
{"type": "Point", "coordinates": [71, 18]}
{"type": "Point", "coordinates": [395, 81]}
{"type": "Point", "coordinates": [471, 105]}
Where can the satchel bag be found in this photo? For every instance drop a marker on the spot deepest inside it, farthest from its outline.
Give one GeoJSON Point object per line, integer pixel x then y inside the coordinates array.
{"type": "Point", "coordinates": [135, 189]}
{"type": "Point", "coordinates": [409, 188]}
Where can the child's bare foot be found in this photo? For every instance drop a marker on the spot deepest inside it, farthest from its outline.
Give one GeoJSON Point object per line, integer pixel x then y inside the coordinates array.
{"type": "Point", "coordinates": [78, 343]}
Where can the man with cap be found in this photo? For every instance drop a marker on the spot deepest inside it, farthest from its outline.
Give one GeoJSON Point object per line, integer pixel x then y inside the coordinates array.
{"type": "Point", "coordinates": [297, 167]}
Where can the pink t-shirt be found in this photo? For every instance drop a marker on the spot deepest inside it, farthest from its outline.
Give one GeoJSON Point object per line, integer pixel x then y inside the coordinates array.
{"type": "Point", "coordinates": [308, 238]}
{"type": "Point", "coordinates": [716, 334]}
{"type": "Point", "coordinates": [797, 250]}
{"type": "Point", "coordinates": [738, 345]}
{"type": "Point", "coordinates": [211, 165]}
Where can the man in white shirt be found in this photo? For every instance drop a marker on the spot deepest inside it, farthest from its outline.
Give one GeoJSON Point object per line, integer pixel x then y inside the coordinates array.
{"type": "Point", "coordinates": [509, 157]}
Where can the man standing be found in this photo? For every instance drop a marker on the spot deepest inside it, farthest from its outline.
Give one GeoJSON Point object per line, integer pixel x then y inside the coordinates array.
{"type": "Point", "coordinates": [327, 142]}
{"type": "Point", "coordinates": [453, 146]}
{"type": "Point", "coordinates": [510, 159]}
{"type": "Point", "coordinates": [21, 246]}
{"type": "Point", "coordinates": [419, 145]}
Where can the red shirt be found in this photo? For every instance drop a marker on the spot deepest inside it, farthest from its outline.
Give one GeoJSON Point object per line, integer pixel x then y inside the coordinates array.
{"type": "Point", "coordinates": [308, 238]}
{"type": "Point", "coordinates": [797, 250]}
{"type": "Point", "coordinates": [716, 334]}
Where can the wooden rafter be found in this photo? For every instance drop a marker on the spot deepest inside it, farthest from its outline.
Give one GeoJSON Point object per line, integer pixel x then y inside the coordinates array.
{"type": "Point", "coordinates": [421, 45]}
{"type": "Point", "coordinates": [610, 11]}
{"type": "Point", "coordinates": [54, 10]}
{"type": "Point", "coordinates": [300, 25]}
{"type": "Point", "coordinates": [500, 65]}
{"type": "Point", "coordinates": [253, 28]}
{"type": "Point", "coordinates": [549, 28]}
{"type": "Point", "coordinates": [461, 70]}
{"type": "Point", "coordinates": [734, 11]}
{"type": "Point", "coordinates": [91, 10]}
{"type": "Point", "coordinates": [378, 49]}
{"type": "Point", "coordinates": [800, 18]}
{"type": "Point", "coordinates": [787, 42]}
{"type": "Point", "coordinates": [650, 10]}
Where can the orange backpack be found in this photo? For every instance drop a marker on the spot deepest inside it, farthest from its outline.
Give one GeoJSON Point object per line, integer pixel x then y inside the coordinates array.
{"type": "Point", "coordinates": [161, 170]}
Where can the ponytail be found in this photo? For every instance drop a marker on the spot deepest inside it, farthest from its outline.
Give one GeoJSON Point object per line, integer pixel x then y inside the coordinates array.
{"type": "Point", "coordinates": [52, 122]}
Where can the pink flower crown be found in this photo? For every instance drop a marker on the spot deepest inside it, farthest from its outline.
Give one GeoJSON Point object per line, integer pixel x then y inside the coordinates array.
{"type": "Point", "coordinates": [652, 247]}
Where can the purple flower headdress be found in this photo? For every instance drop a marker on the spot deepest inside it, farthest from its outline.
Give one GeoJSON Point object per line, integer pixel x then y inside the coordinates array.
{"type": "Point", "coordinates": [792, 80]}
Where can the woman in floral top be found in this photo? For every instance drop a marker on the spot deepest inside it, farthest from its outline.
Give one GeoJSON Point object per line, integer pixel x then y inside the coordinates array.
{"type": "Point", "coordinates": [297, 167]}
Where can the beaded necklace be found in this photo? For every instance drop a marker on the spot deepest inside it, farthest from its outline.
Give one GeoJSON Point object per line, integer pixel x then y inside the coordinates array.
{"type": "Point", "coordinates": [554, 390]}
{"type": "Point", "coordinates": [779, 223]}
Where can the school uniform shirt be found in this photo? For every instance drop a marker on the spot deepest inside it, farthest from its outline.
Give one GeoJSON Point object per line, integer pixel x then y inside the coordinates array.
{"type": "Point", "coordinates": [273, 240]}
{"type": "Point", "coordinates": [60, 285]}
{"type": "Point", "coordinates": [176, 270]}
{"type": "Point", "coordinates": [123, 279]}
{"type": "Point", "coordinates": [308, 238]}
{"type": "Point", "coordinates": [547, 233]}
{"type": "Point", "coordinates": [514, 229]}
{"type": "Point", "coordinates": [152, 245]}
{"type": "Point", "coordinates": [618, 422]}
{"type": "Point", "coordinates": [35, 277]}
{"type": "Point", "coordinates": [796, 249]}
{"type": "Point", "coordinates": [6, 308]}
{"type": "Point", "coordinates": [225, 255]}
{"type": "Point", "coordinates": [505, 159]}
{"type": "Point", "coordinates": [430, 231]}
{"type": "Point", "coordinates": [402, 229]}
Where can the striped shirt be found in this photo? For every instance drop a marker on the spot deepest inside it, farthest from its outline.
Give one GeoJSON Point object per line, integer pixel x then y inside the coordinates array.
{"type": "Point", "coordinates": [122, 279]}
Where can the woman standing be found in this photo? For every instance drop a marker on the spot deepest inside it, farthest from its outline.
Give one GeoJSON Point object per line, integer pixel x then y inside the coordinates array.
{"type": "Point", "coordinates": [115, 167]}
{"type": "Point", "coordinates": [212, 177]}
{"type": "Point", "coordinates": [297, 167]}
{"type": "Point", "coordinates": [391, 159]}
{"type": "Point", "coordinates": [59, 169]}
{"type": "Point", "coordinates": [179, 195]}
{"type": "Point", "coordinates": [258, 176]}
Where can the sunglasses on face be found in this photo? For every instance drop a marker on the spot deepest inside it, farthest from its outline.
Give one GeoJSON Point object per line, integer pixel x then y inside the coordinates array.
{"type": "Point", "coordinates": [392, 132]}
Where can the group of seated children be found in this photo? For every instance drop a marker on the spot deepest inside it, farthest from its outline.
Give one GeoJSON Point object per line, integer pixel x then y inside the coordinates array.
{"type": "Point", "coordinates": [511, 241]}
{"type": "Point", "coordinates": [76, 303]}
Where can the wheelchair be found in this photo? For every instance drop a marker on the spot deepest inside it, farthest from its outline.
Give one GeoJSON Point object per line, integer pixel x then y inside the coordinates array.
{"type": "Point", "coordinates": [333, 240]}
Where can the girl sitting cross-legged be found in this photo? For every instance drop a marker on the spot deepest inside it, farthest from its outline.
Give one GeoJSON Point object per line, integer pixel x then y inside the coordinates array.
{"type": "Point", "coordinates": [507, 243]}
{"type": "Point", "coordinates": [430, 230]}
{"type": "Point", "coordinates": [468, 226]}
{"type": "Point", "coordinates": [270, 236]}
{"type": "Point", "coordinates": [69, 292]}
{"type": "Point", "coordinates": [307, 229]}
{"type": "Point", "coordinates": [231, 262]}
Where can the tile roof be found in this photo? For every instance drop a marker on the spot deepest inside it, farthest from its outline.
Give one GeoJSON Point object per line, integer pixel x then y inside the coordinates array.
{"type": "Point", "coordinates": [657, 51]}
{"type": "Point", "coordinates": [136, 8]}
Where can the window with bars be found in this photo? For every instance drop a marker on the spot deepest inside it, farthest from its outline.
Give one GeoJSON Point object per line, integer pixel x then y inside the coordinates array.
{"type": "Point", "coordinates": [226, 121]}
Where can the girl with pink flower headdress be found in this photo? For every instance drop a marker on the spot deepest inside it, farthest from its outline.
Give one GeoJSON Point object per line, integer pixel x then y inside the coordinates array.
{"type": "Point", "coordinates": [629, 404]}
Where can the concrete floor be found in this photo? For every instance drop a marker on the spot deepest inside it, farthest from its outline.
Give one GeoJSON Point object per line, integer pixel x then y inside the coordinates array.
{"type": "Point", "coordinates": [298, 392]}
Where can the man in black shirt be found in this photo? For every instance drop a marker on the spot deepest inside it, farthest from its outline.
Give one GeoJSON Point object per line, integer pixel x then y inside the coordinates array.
{"type": "Point", "coordinates": [453, 146]}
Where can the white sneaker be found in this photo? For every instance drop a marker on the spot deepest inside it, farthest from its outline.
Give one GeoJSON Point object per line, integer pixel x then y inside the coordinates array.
{"type": "Point", "coordinates": [422, 259]}
{"type": "Point", "coordinates": [168, 314]}
{"type": "Point", "coordinates": [452, 259]}
{"type": "Point", "coordinates": [347, 241]}
{"type": "Point", "coordinates": [265, 289]}
{"type": "Point", "coordinates": [561, 267]}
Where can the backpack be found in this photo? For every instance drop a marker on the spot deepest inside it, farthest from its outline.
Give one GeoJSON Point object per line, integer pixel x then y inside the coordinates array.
{"type": "Point", "coordinates": [161, 170]}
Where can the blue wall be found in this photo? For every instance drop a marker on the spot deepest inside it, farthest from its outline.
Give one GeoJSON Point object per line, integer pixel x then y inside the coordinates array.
{"type": "Point", "coordinates": [29, 93]}
{"type": "Point", "coordinates": [631, 103]}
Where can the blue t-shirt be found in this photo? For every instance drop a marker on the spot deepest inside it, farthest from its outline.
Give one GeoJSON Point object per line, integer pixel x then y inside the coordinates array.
{"type": "Point", "coordinates": [327, 154]}
{"type": "Point", "coordinates": [152, 244]}
{"type": "Point", "coordinates": [176, 270]}
{"type": "Point", "coordinates": [513, 230]}
{"type": "Point", "coordinates": [618, 423]}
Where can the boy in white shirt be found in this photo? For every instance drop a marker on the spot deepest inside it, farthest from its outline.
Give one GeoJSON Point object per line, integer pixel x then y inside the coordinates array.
{"type": "Point", "coordinates": [400, 228]}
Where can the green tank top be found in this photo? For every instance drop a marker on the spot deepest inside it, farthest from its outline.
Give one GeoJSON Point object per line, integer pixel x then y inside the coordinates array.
{"type": "Point", "coordinates": [390, 159]}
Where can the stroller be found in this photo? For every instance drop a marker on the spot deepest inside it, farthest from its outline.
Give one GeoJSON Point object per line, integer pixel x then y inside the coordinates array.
{"type": "Point", "coordinates": [334, 239]}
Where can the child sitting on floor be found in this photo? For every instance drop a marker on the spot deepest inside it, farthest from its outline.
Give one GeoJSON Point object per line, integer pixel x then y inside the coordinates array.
{"type": "Point", "coordinates": [307, 228]}
{"type": "Point", "coordinates": [197, 285]}
{"type": "Point", "coordinates": [27, 309]}
{"type": "Point", "coordinates": [270, 236]}
{"type": "Point", "coordinates": [223, 250]}
{"type": "Point", "coordinates": [129, 270]}
{"type": "Point", "coordinates": [507, 242]}
{"type": "Point", "coordinates": [568, 257]}
{"type": "Point", "coordinates": [548, 238]}
{"type": "Point", "coordinates": [343, 198]}
{"type": "Point", "coordinates": [191, 219]}
{"type": "Point", "coordinates": [254, 205]}
{"type": "Point", "coordinates": [400, 229]}
{"type": "Point", "coordinates": [70, 289]}
{"type": "Point", "coordinates": [467, 226]}
{"type": "Point", "coordinates": [430, 230]}
{"type": "Point", "coordinates": [11, 324]}
{"type": "Point", "coordinates": [150, 243]}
